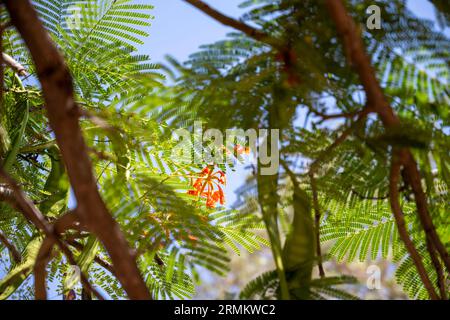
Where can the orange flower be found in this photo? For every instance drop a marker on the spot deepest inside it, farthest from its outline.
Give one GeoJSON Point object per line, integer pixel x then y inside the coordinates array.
{"type": "Point", "coordinates": [241, 150]}
{"type": "Point", "coordinates": [208, 186]}
{"type": "Point", "coordinates": [193, 238]}
{"type": "Point", "coordinates": [205, 171]}
{"type": "Point", "coordinates": [193, 192]}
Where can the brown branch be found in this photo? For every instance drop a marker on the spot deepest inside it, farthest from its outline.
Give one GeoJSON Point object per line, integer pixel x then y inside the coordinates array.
{"type": "Point", "coordinates": [384, 197]}
{"type": "Point", "coordinates": [11, 247]}
{"type": "Point", "coordinates": [236, 24]}
{"type": "Point", "coordinates": [14, 65]}
{"type": "Point", "coordinates": [413, 178]}
{"type": "Point", "coordinates": [40, 272]}
{"type": "Point", "coordinates": [324, 116]}
{"type": "Point", "coordinates": [430, 247]}
{"type": "Point", "coordinates": [401, 226]}
{"type": "Point", "coordinates": [63, 115]}
{"type": "Point", "coordinates": [52, 232]}
{"type": "Point", "coordinates": [438, 268]}
{"type": "Point", "coordinates": [355, 49]}
{"type": "Point", "coordinates": [3, 27]}
{"type": "Point", "coordinates": [317, 217]}
{"type": "Point", "coordinates": [2, 68]}
{"type": "Point", "coordinates": [21, 202]}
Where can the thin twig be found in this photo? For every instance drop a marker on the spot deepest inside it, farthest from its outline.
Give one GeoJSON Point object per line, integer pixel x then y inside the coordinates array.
{"type": "Point", "coordinates": [236, 24]}
{"type": "Point", "coordinates": [11, 247]}
{"type": "Point", "coordinates": [324, 116]}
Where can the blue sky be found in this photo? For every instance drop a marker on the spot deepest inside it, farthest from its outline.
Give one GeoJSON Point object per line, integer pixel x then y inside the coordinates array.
{"type": "Point", "coordinates": [179, 29]}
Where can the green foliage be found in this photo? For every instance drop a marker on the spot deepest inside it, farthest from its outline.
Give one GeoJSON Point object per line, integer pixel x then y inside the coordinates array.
{"type": "Point", "coordinates": [237, 82]}
{"type": "Point", "coordinates": [252, 85]}
{"type": "Point", "coordinates": [20, 272]}
{"type": "Point", "coordinates": [144, 188]}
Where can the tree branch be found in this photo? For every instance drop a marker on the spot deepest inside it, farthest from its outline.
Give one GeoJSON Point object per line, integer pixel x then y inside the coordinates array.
{"type": "Point", "coordinates": [52, 232]}
{"type": "Point", "coordinates": [236, 24]}
{"type": "Point", "coordinates": [324, 117]}
{"type": "Point", "coordinates": [11, 247]}
{"type": "Point", "coordinates": [355, 49]}
{"type": "Point", "coordinates": [430, 247]}
{"type": "Point", "coordinates": [14, 65]}
{"type": "Point", "coordinates": [21, 202]}
{"type": "Point", "coordinates": [6, 194]}
{"type": "Point", "coordinates": [401, 226]}
{"type": "Point", "coordinates": [63, 115]}
{"type": "Point", "coordinates": [62, 224]}
{"type": "Point", "coordinates": [40, 273]}
{"type": "Point", "coordinates": [414, 180]}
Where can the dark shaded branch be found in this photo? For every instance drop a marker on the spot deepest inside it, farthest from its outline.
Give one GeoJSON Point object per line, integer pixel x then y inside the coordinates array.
{"type": "Point", "coordinates": [37, 147]}
{"type": "Point", "coordinates": [11, 247]}
{"type": "Point", "coordinates": [383, 197]}
{"type": "Point", "coordinates": [401, 226]}
{"type": "Point", "coordinates": [6, 194]}
{"type": "Point", "coordinates": [2, 68]}
{"type": "Point", "coordinates": [441, 284]}
{"type": "Point", "coordinates": [413, 179]}
{"type": "Point", "coordinates": [63, 115]}
{"type": "Point", "coordinates": [438, 268]}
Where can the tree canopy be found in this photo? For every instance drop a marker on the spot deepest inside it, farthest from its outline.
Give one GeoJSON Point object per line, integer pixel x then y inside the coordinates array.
{"type": "Point", "coordinates": [89, 177]}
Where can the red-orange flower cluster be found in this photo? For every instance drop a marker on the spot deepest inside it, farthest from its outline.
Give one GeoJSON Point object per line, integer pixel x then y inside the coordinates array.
{"type": "Point", "coordinates": [209, 186]}
{"type": "Point", "coordinates": [241, 150]}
